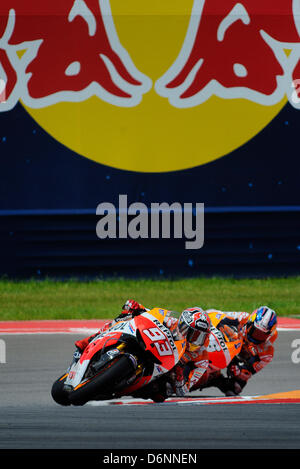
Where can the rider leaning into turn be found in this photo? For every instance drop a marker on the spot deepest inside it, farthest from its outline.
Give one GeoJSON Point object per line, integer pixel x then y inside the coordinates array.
{"type": "Point", "coordinates": [258, 332]}
{"type": "Point", "coordinates": [193, 324]}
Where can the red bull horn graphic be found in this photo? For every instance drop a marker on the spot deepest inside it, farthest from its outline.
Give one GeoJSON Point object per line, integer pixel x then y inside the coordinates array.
{"type": "Point", "coordinates": [73, 52]}
{"type": "Point", "coordinates": [248, 49]}
{"type": "Point", "coordinates": [136, 85]}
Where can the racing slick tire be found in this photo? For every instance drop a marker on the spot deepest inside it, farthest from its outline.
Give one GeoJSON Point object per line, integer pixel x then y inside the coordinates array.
{"type": "Point", "coordinates": [58, 393]}
{"type": "Point", "coordinates": [102, 383]}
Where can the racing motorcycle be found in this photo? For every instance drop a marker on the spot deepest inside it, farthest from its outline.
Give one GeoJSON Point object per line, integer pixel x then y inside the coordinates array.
{"type": "Point", "coordinates": [225, 344]}
{"type": "Point", "coordinates": [131, 358]}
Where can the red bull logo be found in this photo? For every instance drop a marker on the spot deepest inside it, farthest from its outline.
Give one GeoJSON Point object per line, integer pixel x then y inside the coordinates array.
{"type": "Point", "coordinates": [149, 75]}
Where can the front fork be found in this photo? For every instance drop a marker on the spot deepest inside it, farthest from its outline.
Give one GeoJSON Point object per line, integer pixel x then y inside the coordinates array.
{"type": "Point", "coordinates": [138, 367]}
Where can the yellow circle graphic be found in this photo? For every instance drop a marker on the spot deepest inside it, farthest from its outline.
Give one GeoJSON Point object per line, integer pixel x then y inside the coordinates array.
{"type": "Point", "coordinates": [154, 136]}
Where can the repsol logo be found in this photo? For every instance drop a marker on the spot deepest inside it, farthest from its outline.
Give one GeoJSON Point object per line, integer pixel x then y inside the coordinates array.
{"type": "Point", "coordinates": [218, 334]}
{"type": "Point", "coordinates": [166, 331]}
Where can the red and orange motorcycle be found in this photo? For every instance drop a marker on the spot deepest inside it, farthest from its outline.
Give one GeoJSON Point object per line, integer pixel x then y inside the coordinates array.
{"type": "Point", "coordinates": [131, 358]}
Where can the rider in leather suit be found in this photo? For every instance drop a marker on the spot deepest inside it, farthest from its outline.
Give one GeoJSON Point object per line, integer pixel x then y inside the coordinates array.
{"type": "Point", "coordinates": [258, 331]}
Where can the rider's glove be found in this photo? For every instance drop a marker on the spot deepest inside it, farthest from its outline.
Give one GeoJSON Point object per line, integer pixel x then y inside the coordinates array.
{"type": "Point", "coordinates": [240, 372]}
{"type": "Point", "coordinates": [133, 307]}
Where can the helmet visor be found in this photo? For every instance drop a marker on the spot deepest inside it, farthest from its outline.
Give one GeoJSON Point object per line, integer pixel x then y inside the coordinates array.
{"type": "Point", "coordinates": [196, 337]}
{"type": "Point", "coordinates": [257, 335]}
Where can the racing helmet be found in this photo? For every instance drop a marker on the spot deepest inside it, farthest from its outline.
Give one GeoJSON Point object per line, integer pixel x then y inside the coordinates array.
{"type": "Point", "coordinates": [194, 324]}
{"type": "Point", "coordinates": [261, 324]}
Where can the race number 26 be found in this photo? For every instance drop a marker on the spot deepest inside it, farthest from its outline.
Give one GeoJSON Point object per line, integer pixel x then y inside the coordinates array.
{"type": "Point", "coordinates": [159, 340]}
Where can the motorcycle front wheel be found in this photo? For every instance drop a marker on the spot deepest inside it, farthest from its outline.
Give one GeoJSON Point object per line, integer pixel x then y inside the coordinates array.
{"type": "Point", "coordinates": [58, 393]}
{"type": "Point", "coordinates": [102, 383]}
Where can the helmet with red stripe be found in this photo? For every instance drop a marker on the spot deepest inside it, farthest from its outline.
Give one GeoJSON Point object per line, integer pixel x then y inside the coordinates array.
{"type": "Point", "coordinates": [194, 324]}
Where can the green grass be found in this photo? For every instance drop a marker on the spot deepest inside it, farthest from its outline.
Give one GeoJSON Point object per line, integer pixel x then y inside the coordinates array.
{"type": "Point", "coordinates": [49, 299]}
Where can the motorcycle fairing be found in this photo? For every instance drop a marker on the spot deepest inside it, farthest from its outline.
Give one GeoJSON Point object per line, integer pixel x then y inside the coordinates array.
{"type": "Point", "coordinates": [156, 337]}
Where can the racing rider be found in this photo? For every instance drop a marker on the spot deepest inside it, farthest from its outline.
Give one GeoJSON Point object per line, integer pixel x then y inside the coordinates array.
{"type": "Point", "coordinates": [258, 331]}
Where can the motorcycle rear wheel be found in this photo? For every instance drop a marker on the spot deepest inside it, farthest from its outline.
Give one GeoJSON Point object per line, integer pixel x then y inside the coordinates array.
{"type": "Point", "coordinates": [104, 382]}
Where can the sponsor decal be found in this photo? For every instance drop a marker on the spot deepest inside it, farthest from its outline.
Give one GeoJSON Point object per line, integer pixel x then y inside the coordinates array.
{"type": "Point", "coordinates": [150, 86]}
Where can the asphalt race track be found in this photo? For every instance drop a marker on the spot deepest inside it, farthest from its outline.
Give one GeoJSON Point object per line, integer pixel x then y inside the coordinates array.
{"type": "Point", "coordinates": [31, 420]}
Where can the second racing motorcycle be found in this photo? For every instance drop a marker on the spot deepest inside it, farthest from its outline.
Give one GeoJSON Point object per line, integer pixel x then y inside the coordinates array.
{"type": "Point", "coordinates": [225, 344]}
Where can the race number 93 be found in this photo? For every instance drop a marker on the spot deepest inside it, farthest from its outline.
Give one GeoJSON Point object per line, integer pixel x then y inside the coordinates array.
{"type": "Point", "coordinates": [159, 340]}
